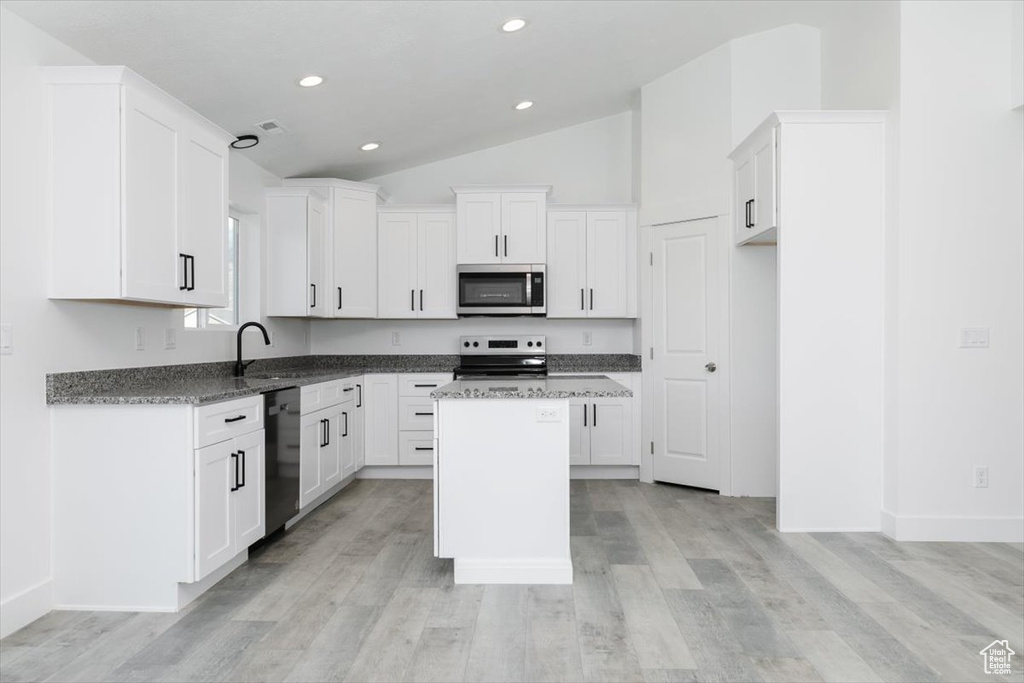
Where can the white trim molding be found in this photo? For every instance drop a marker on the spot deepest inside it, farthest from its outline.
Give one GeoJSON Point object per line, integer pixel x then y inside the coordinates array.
{"type": "Point", "coordinates": [954, 529]}
{"type": "Point", "coordinates": [539, 570]}
{"type": "Point", "coordinates": [21, 609]}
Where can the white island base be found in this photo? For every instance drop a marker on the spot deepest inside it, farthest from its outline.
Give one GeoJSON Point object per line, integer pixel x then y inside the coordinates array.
{"type": "Point", "coordinates": [501, 489]}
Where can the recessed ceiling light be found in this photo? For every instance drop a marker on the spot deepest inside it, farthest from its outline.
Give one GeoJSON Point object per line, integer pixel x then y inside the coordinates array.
{"type": "Point", "coordinates": [245, 142]}
{"type": "Point", "coordinates": [369, 146]}
{"type": "Point", "coordinates": [311, 81]}
{"type": "Point", "coordinates": [513, 25]}
{"type": "Point", "coordinates": [526, 104]}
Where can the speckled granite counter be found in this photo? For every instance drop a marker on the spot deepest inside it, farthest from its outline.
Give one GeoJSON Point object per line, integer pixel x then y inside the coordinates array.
{"type": "Point", "coordinates": [200, 383]}
{"type": "Point", "coordinates": [587, 386]}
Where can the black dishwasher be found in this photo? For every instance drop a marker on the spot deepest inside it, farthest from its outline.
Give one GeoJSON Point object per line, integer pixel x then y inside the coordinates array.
{"type": "Point", "coordinates": [281, 421]}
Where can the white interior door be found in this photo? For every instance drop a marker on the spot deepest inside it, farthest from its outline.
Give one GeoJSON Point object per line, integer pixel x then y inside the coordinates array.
{"type": "Point", "coordinates": [685, 342]}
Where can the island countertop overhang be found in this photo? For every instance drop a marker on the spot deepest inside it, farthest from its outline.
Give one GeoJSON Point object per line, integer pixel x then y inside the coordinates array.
{"type": "Point", "coordinates": [580, 386]}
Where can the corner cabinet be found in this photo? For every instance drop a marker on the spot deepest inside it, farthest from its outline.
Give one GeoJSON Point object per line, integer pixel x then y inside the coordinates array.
{"type": "Point", "coordinates": [501, 224]}
{"type": "Point", "coordinates": [755, 190]}
{"type": "Point", "coordinates": [296, 222]}
{"type": "Point", "coordinates": [416, 248]}
{"type": "Point", "coordinates": [591, 266]}
{"type": "Point", "coordinates": [349, 259]}
{"type": "Point", "coordinates": [139, 192]}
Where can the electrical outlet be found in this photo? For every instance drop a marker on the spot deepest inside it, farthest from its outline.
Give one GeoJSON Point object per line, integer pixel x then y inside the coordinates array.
{"type": "Point", "coordinates": [170, 339]}
{"type": "Point", "coordinates": [981, 477]}
{"type": "Point", "coordinates": [588, 338]}
{"type": "Point", "coordinates": [549, 414]}
{"type": "Point", "coordinates": [973, 337]}
{"type": "Point", "coordinates": [140, 338]}
{"type": "Point", "coordinates": [6, 339]}
{"type": "Point", "coordinates": [396, 338]}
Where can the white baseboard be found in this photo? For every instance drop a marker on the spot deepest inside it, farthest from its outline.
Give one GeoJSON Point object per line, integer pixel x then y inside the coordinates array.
{"type": "Point", "coordinates": [513, 571]}
{"type": "Point", "coordinates": [604, 472]}
{"type": "Point", "coordinates": [21, 609]}
{"type": "Point", "coordinates": [954, 529]}
{"type": "Point", "coordinates": [397, 472]}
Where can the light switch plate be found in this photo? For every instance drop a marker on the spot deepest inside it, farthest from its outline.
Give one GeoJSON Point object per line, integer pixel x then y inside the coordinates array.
{"type": "Point", "coordinates": [6, 339]}
{"type": "Point", "coordinates": [170, 339]}
{"type": "Point", "coordinates": [973, 337]}
{"type": "Point", "coordinates": [588, 338]}
{"type": "Point", "coordinates": [396, 338]}
{"type": "Point", "coordinates": [140, 338]}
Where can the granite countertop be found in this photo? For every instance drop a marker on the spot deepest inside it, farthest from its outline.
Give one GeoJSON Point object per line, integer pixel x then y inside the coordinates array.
{"type": "Point", "coordinates": [202, 383]}
{"type": "Point", "coordinates": [586, 386]}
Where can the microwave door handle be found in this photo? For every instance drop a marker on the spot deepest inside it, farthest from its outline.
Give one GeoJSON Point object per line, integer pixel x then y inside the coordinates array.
{"type": "Point", "coordinates": [529, 290]}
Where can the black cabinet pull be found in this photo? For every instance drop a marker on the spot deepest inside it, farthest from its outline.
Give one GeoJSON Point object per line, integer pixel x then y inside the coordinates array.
{"type": "Point", "coordinates": [421, 299]}
{"type": "Point", "coordinates": [345, 433]}
{"type": "Point", "coordinates": [595, 414]}
{"type": "Point", "coordinates": [235, 486]}
{"type": "Point", "coordinates": [235, 418]}
{"type": "Point", "coordinates": [339, 298]}
{"type": "Point", "coordinates": [348, 388]}
{"type": "Point", "coordinates": [506, 245]}
{"type": "Point", "coordinates": [184, 272]}
{"type": "Point", "coordinates": [313, 287]}
{"type": "Point", "coordinates": [584, 415]}
{"type": "Point", "coordinates": [323, 434]}
{"type": "Point", "coordinates": [582, 299]}
{"type": "Point", "coordinates": [591, 298]}
{"type": "Point", "coordinates": [359, 396]}
{"type": "Point", "coordinates": [423, 386]}
{"type": "Point", "coordinates": [192, 260]}
{"type": "Point", "coordinates": [424, 448]}
{"type": "Point", "coordinates": [241, 454]}
{"type": "Point", "coordinates": [412, 299]}
{"type": "Point", "coordinates": [495, 245]}
{"type": "Point", "coordinates": [753, 214]}
{"type": "Point", "coordinates": [424, 413]}
{"type": "Point", "coordinates": [328, 432]}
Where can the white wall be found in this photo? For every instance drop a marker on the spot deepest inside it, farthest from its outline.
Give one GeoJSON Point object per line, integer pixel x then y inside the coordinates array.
{"type": "Point", "coordinates": [442, 336]}
{"type": "Point", "coordinates": [61, 335]}
{"type": "Point", "coordinates": [588, 163]}
{"type": "Point", "coordinates": [961, 264]}
{"type": "Point", "coordinates": [692, 118]}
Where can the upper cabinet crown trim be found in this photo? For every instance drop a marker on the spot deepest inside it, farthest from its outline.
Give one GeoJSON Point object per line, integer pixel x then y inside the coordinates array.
{"type": "Point", "coordinates": [810, 116]}
{"type": "Point", "coordinates": [464, 189]}
{"type": "Point", "coordinates": [122, 75]}
{"type": "Point", "coordinates": [417, 208]}
{"type": "Point", "coordinates": [381, 193]}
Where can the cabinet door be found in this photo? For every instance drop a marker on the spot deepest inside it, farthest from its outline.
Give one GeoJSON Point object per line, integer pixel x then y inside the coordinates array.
{"type": "Point", "coordinates": [250, 500]}
{"type": "Point", "coordinates": [354, 254]}
{"type": "Point", "coordinates": [311, 443]}
{"type": "Point", "coordinates": [744, 189]}
{"type": "Point", "coordinates": [215, 527]}
{"type": "Point", "coordinates": [203, 217]}
{"type": "Point", "coordinates": [611, 428]}
{"type": "Point", "coordinates": [358, 427]}
{"type": "Point", "coordinates": [607, 264]}
{"type": "Point", "coordinates": [579, 431]}
{"type": "Point", "coordinates": [397, 263]}
{"type": "Point", "coordinates": [436, 265]}
{"type": "Point", "coordinates": [151, 268]}
{"type": "Point", "coordinates": [348, 439]}
{"type": "Point", "coordinates": [330, 452]}
{"type": "Point", "coordinates": [763, 209]}
{"type": "Point", "coordinates": [478, 223]}
{"type": "Point", "coordinates": [524, 227]}
{"type": "Point", "coordinates": [319, 299]}
{"type": "Point", "coordinates": [381, 422]}
{"type": "Point", "coordinates": [567, 264]}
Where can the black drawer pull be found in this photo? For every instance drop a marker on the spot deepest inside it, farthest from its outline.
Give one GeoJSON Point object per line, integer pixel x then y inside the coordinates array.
{"type": "Point", "coordinates": [348, 388]}
{"type": "Point", "coordinates": [424, 448]}
{"type": "Point", "coordinates": [234, 419]}
{"type": "Point", "coordinates": [424, 413]}
{"type": "Point", "coordinates": [424, 386]}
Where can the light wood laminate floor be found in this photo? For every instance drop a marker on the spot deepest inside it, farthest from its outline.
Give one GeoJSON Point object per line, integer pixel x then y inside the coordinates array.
{"type": "Point", "coordinates": [671, 584]}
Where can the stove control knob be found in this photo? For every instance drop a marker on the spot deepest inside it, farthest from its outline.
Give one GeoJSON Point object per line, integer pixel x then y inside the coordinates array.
{"type": "Point", "coordinates": [466, 344]}
{"type": "Point", "coordinates": [539, 344]}
{"type": "Point", "coordinates": [475, 344]}
{"type": "Point", "coordinates": [529, 343]}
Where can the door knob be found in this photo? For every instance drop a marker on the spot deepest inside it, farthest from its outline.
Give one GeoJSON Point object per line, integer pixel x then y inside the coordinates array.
{"type": "Point", "coordinates": [710, 367]}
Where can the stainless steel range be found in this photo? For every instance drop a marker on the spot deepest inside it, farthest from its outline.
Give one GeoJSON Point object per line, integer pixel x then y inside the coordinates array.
{"type": "Point", "coordinates": [509, 356]}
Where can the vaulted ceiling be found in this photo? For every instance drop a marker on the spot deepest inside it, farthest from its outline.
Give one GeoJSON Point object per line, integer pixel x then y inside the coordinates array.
{"type": "Point", "coordinates": [430, 79]}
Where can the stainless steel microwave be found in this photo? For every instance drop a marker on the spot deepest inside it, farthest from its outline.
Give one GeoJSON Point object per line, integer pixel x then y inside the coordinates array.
{"type": "Point", "coordinates": [501, 290]}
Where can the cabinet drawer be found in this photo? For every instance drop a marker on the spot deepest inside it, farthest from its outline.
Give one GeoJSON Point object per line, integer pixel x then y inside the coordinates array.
{"type": "Point", "coordinates": [348, 388]}
{"type": "Point", "coordinates": [421, 384]}
{"type": "Point", "coordinates": [221, 421]}
{"type": "Point", "coordinates": [416, 448]}
{"type": "Point", "coordinates": [416, 414]}
{"type": "Point", "coordinates": [319, 396]}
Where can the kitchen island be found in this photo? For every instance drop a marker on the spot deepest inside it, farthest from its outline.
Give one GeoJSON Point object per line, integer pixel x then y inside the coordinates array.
{"type": "Point", "coordinates": [501, 475]}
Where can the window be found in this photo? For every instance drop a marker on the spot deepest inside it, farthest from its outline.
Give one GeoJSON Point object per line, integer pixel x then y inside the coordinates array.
{"type": "Point", "coordinates": [197, 318]}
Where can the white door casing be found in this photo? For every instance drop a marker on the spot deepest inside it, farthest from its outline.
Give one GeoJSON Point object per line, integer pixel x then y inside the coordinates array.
{"type": "Point", "coordinates": [685, 341]}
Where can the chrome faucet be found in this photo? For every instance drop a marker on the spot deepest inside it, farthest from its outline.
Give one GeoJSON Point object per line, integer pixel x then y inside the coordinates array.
{"type": "Point", "coordinates": [239, 365]}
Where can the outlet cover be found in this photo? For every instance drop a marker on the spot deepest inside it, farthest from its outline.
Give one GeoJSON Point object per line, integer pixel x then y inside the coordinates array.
{"type": "Point", "coordinates": [396, 338]}
{"type": "Point", "coordinates": [588, 338]}
{"type": "Point", "coordinates": [981, 477]}
{"type": "Point", "coordinates": [973, 337]}
{"type": "Point", "coordinates": [170, 339]}
{"type": "Point", "coordinates": [140, 338]}
{"type": "Point", "coordinates": [549, 414]}
{"type": "Point", "coordinates": [6, 339]}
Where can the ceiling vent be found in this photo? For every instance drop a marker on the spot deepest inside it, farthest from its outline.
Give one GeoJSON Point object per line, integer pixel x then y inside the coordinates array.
{"type": "Point", "coordinates": [270, 127]}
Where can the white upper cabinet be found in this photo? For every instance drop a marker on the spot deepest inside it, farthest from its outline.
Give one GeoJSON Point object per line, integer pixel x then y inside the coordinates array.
{"type": "Point", "coordinates": [754, 187]}
{"type": "Point", "coordinates": [417, 263]}
{"type": "Point", "coordinates": [592, 263]}
{"type": "Point", "coordinates": [350, 256]}
{"type": "Point", "coordinates": [138, 185]}
{"type": "Point", "coordinates": [501, 224]}
{"type": "Point", "coordinates": [296, 219]}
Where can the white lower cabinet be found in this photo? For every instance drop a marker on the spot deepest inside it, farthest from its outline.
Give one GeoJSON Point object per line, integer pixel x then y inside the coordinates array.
{"type": "Point", "coordinates": [416, 448]}
{"type": "Point", "coordinates": [326, 451]}
{"type": "Point", "coordinates": [230, 499]}
{"type": "Point", "coordinates": [601, 431]}
{"type": "Point", "coordinates": [381, 420]}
